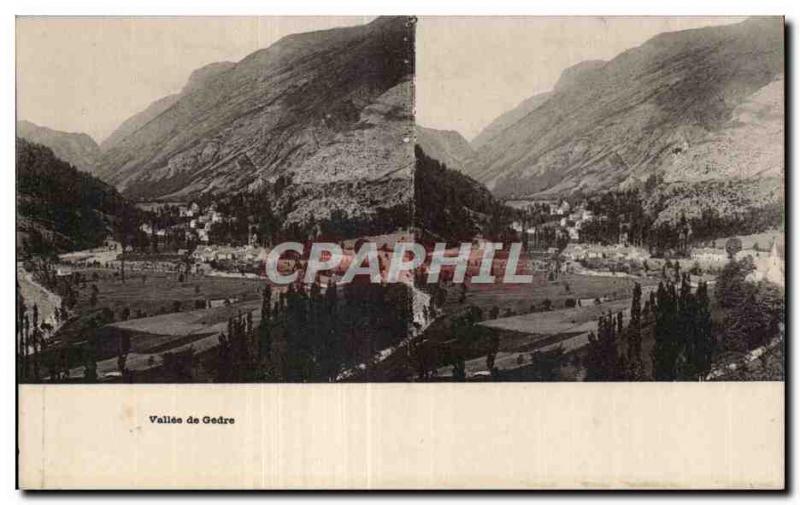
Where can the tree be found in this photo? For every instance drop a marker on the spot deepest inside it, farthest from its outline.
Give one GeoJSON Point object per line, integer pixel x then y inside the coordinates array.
{"type": "Point", "coordinates": [459, 369]}
{"type": "Point", "coordinates": [601, 359]}
{"type": "Point", "coordinates": [731, 283]}
{"type": "Point", "coordinates": [545, 365]}
{"type": "Point", "coordinates": [634, 336]}
{"type": "Point", "coordinates": [684, 341]}
{"type": "Point", "coordinates": [667, 347]}
{"type": "Point", "coordinates": [702, 350]}
{"type": "Point", "coordinates": [733, 246]}
{"type": "Point", "coordinates": [755, 319]}
{"type": "Point", "coordinates": [494, 346]}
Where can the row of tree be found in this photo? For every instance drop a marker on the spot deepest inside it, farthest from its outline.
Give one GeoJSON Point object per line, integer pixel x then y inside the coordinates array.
{"type": "Point", "coordinates": [679, 322]}
{"type": "Point", "coordinates": [311, 335]}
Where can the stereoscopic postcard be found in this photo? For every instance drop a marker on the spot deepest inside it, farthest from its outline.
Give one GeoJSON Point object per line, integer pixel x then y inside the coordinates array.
{"type": "Point", "coordinates": [400, 252]}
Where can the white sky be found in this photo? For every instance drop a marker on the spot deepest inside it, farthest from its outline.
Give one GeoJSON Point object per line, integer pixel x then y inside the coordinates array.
{"type": "Point", "coordinates": [472, 69]}
{"type": "Point", "coordinates": [88, 75]}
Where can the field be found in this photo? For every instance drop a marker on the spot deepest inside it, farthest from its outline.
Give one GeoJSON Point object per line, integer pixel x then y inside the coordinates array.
{"type": "Point", "coordinates": [157, 310]}
{"type": "Point", "coordinates": [159, 293]}
{"type": "Point", "coordinates": [519, 298]}
{"type": "Point", "coordinates": [542, 331]}
{"type": "Point", "coordinates": [195, 330]}
{"type": "Point", "coordinates": [764, 240]}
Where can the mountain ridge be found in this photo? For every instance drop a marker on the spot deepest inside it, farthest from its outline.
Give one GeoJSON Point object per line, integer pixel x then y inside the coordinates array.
{"type": "Point", "coordinates": [446, 146]}
{"type": "Point", "coordinates": [610, 124]}
{"type": "Point", "coordinates": [78, 149]}
{"type": "Point", "coordinates": [196, 79]}
{"type": "Point", "coordinates": [266, 115]}
{"type": "Point", "coordinates": [61, 208]}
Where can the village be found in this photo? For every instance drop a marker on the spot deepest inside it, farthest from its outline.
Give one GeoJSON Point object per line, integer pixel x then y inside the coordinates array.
{"type": "Point", "coordinates": [175, 288]}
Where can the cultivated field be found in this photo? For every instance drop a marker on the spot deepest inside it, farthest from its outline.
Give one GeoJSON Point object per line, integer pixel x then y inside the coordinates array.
{"type": "Point", "coordinates": [542, 331]}
{"type": "Point", "coordinates": [520, 297]}
{"type": "Point", "coordinates": [158, 293]}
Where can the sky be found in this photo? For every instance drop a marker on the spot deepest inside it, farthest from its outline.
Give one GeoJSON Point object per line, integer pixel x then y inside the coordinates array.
{"type": "Point", "coordinates": [469, 70]}
{"type": "Point", "coordinates": [88, 75]}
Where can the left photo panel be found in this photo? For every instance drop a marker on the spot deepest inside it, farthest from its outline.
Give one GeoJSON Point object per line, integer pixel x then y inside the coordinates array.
{"type": "Point", "coordinates": [159, 162]}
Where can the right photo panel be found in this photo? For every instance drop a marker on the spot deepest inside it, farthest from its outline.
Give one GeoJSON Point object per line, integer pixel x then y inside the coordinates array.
{"type": "Point", "coordinates": [620, 185]}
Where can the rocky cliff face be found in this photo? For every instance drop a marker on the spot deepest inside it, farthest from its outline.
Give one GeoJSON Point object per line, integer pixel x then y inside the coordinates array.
{"type": "Point", "coordinates": [77, 149]}
{"type": "Point", "coordinates": [319, 108]}
{"type": "Point", "coordinates": [691, 106]}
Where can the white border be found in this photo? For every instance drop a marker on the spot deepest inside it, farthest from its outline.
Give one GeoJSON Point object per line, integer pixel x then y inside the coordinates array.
{"type": "Point", "coordinates": [341, 7]}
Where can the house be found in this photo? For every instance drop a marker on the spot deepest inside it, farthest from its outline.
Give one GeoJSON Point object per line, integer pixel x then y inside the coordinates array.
{"type": "Point", "coordinates": [574, 232]}
{"type": "Point", "coordinates": [194, 209]}
{"type": "Point", "coordinates": [771, 268]}
{"type": "Point", "coordinates": [220, 302]}
{"type": "Point", "coordinates": [708, 257]}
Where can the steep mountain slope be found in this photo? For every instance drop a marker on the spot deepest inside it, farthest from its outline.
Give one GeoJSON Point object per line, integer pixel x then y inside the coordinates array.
{"type": "Point", "coordinates": [507, 119]}
{"type": "Point", "coordinates": [315, 108]}
{"type": "Point", "coordinates": [573, 75]}
{"type": "Point", "coordinates": [60, 208]}
{"type": "Point", "coordinates": [446, 146]}
{"type": "Point", "coordinates": [198, 78]}
{"type": "Point", "coordinates": [451, 206]}
{"type": "Point", "coordinates": [668, 107]}
{"type": "Point", "coordinates": [78, 149]}
{"type": "Point", "coordinates": [733, 170]}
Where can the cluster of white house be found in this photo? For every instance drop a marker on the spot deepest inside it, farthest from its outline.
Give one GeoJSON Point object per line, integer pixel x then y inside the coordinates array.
{"type": "Point", "coordinates": [571, 222]}
{"type": "Point", "coordinates": [198, 221]}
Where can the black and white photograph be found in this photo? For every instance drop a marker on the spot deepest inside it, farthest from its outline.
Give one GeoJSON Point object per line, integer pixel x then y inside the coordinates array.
{"type": "Point", "coordinates": [400, 252]}
{"type": "Point", "coordinates": [637, 189]}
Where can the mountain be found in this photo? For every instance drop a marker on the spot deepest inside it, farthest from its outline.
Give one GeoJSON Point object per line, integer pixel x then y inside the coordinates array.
{"type": "Point", "coordinates": [688, 106]}
{"type": "Point", "coordinates": [451, 206]}
{"type": "Point", "coordinates": [446, 146]}
{"type": "Point", "coordinates": [573, 75]}
{"type": "Point", "coordinates": [507, 119]}
{"type": "Point", "coordinates": [197, 79]}
{"type": "Point", "coordinates": [734, 169]}
{"type": "Point", "coordinates": [318, 110]}
{"type": "Point", "coordinates": [60, 208]}
{"type": "Point", "coordinates": [78, 149]}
